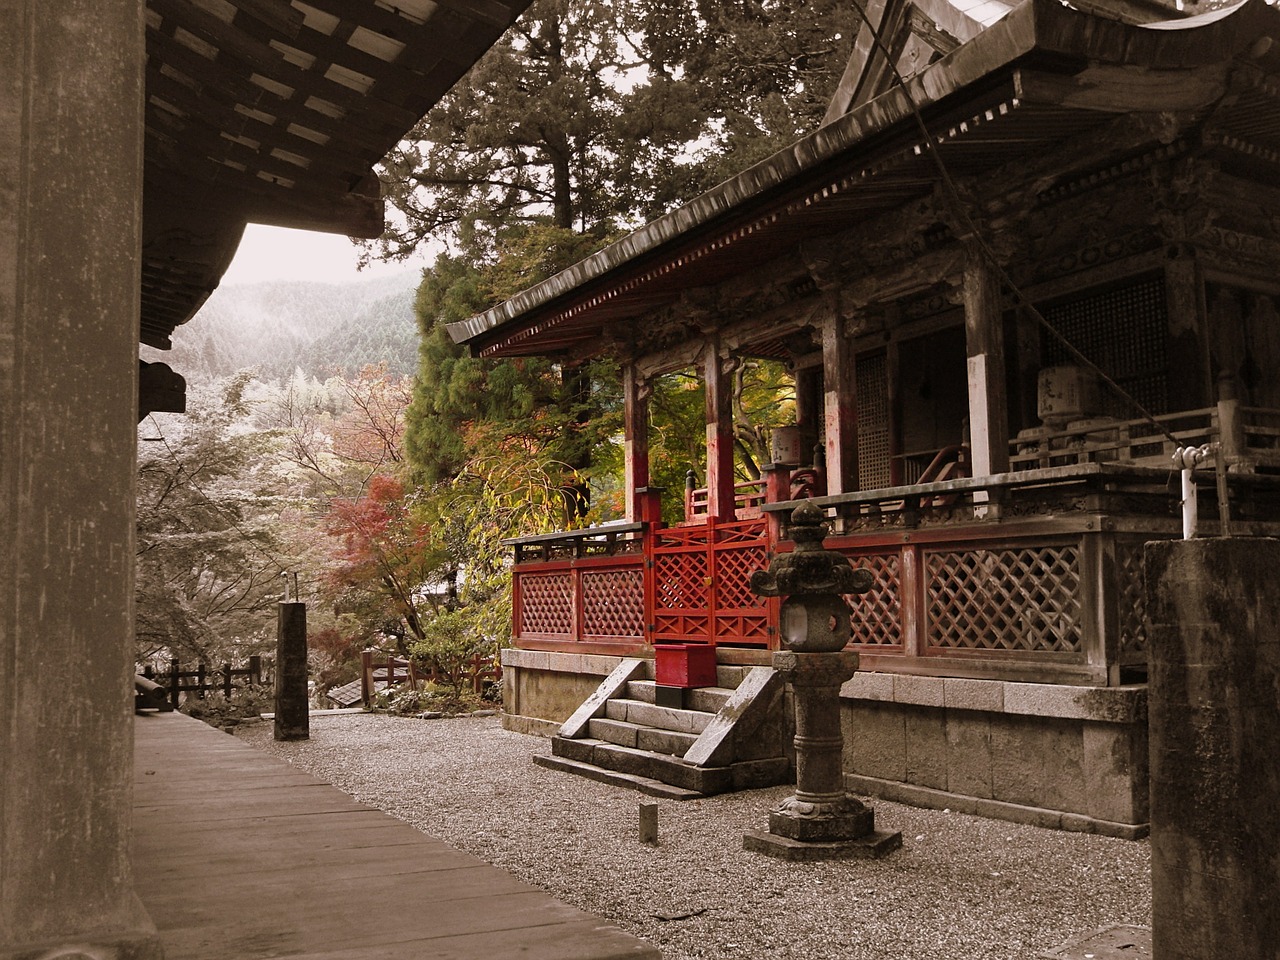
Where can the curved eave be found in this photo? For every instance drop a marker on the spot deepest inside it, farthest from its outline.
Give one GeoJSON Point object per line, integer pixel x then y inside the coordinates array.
{"type": "Point", "coordinates": [276, 111]}
{"type": "Point", "coordinates": [866, 162]}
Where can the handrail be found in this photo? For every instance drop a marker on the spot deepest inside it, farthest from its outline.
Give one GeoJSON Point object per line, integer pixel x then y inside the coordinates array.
{"type": "Point", "coordinates": [604, 530]}
{"type": "Point", "coordinates": [1021, 478]}
{"type": "Point", "coordinates": [1116, 438]}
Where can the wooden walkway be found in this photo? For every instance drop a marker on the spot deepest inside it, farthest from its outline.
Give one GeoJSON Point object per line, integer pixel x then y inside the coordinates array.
{"type": "Point", "coordinates": [238, 856]}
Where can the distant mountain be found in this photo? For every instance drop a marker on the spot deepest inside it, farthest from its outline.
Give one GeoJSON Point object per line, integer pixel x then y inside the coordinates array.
{"type": "Point", "coordinates": [278, 326]}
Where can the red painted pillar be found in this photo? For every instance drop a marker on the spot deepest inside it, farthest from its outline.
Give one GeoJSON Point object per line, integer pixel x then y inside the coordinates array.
{"type": "Point", "coordinates": [720, 478]}
{"type": "Point", "coordinates": [635, 399]}
{"type": "Point", "coordinates": [840, 408]}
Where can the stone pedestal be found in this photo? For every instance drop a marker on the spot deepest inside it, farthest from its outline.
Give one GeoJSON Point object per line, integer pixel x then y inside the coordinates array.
{"type": "Point", "coordinates": [821, 821]}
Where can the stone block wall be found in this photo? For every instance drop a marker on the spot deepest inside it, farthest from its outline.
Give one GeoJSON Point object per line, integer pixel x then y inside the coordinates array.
{"type": "Point", "coordinates": [1066, 757]}
{"type": "Point", "coordinates": [541, 689]}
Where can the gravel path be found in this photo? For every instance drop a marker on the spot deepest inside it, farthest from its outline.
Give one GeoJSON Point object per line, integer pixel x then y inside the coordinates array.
{"type": "Point", "coordinates": [962, 888]}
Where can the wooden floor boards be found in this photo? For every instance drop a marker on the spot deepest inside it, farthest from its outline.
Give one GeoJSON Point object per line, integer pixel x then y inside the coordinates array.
{"type": "Point", "coordinates": [239, 857]}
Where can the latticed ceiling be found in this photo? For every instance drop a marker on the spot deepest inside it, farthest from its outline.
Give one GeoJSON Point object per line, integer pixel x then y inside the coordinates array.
{"type": "Point", "coordinates": [275, 111]}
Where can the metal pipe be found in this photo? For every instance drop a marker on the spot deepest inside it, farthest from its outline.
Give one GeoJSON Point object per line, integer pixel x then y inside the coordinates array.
{"type": "Point", "coordinates": [1186, 459]}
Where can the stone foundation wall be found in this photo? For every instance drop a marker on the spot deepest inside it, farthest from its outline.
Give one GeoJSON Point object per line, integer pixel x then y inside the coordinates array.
{"type": "Point", "coordinates": [1065, 757]}
{"type": "Point", "coordinates": [541, 690]}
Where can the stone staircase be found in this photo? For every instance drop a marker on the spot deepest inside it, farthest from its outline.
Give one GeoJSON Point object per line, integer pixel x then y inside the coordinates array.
{"type": "Point", "coordinates": [727, 737]}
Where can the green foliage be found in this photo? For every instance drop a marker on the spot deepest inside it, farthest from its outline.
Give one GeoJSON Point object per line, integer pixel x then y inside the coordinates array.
{"type": "Point", "coordinates": [464, 408]}
{"type": "Point", "coordinates": [207, 573]}
{"type": "Point", "coordinates": [452, 641]}
{"type": "Point", "coordinates": [591, 114]}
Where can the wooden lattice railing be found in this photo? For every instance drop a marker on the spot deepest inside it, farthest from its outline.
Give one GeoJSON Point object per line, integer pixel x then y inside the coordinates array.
{"type": "Point", "coordinates": [1032, 575]}
{"type": "Point", "coordinates": [992, 603]}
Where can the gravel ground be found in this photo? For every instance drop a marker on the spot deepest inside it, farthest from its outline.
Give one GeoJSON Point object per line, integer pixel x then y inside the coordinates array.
{"type": "Point", "coordinates": [962, 888]}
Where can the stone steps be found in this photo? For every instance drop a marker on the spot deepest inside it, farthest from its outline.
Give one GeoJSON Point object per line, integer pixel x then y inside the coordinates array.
{"type": "Point", "coordinates": [621, 735]}
{"type": "Point", "coordinates": [701, 699]}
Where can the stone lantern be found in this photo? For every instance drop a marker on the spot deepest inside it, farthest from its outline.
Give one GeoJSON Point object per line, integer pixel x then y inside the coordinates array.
{"type": "Point", "coordinates": [821, 821]}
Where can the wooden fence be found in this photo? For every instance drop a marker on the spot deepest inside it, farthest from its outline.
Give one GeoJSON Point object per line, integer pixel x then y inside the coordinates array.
{"type": "Point", "coordinates": [394, 670]}
{"type": "Point", "coordinates": [203, 680]}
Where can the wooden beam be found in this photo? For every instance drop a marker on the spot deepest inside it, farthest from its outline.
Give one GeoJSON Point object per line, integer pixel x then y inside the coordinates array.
{"type": "Point", "coordinates": [840, 408]}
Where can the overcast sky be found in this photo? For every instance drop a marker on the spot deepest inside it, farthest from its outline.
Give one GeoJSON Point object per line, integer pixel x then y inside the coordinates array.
{"type": "Point", "coordinates": [274, 253]}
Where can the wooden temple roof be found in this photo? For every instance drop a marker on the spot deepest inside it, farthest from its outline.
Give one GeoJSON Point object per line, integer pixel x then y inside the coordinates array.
{"type": "Point", "coordinates": [1028, 88]}
{"type": "Point", "coordinates": [275, 111]}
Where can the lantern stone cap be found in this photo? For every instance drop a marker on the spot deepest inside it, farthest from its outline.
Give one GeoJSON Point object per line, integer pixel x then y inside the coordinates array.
{"type": "Point", "coordinates": [809, 569]}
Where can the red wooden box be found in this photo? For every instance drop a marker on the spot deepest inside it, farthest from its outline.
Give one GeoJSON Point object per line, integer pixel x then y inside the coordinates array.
{"type": "Point", "coordinates": [685, 665]}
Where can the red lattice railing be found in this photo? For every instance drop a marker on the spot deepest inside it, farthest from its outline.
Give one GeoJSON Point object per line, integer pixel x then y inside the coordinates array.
{"type": "Point", "coordinates": [701, 584]}
{"type": "Point", "coordinates": [1030, 576]}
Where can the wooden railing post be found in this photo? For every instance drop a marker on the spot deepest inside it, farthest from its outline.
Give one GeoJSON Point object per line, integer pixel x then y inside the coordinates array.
{"type": "Point", "coordinates": [255, 670]}
{"type": "Point", "coordinates": [200, 680]}
{"type": "Point", "coordinates": [226, 680]}
{"type": "Point", "coordinates": [912, 601]}
{"type": "Point", "coordinates": [174, 681]}
{"type": "Point", "coordinates": [1100, 605]}
{"type": "Point", "coordinates": [777, 489]}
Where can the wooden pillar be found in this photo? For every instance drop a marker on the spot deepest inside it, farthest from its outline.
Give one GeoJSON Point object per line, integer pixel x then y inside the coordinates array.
{"type": "Point", "coordinates": [1191, 381]}
{"type": "Point", "coordinates": [809, 409]}
{"type": "Point", "coordinates": [720, 479]}
{"type": "Point", "coordinates": [984, 338]}
{"type": "Point", "coordinates": [635, 400]}
{"type": "Point", "coordinates": [71, 89]}
{"type": "Point", "coordinates": [840, 407]}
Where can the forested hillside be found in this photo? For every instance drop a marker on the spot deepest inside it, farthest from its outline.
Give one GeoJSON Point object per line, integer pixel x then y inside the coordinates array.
{"type": "Point", "coordinates": [277, 327]}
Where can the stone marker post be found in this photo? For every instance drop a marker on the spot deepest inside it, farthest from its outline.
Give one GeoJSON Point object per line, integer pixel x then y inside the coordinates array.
{"type": "Point", "coordinates": [293, 721]}
{"type": "Point", "coordinates": [821, 821]}
{"type": "Point", "coordinates": [1214, 702]}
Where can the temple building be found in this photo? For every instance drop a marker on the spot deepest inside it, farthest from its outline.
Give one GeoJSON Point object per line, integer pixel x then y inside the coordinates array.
{"type": "Point", "coordinates": [1008, 289]}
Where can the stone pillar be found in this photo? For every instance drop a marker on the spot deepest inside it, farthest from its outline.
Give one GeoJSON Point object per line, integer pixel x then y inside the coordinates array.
{"type": "Point", "coordinates": [71, 75]}
{"type": "Point", "coordinates": [293, 716]}
{"type": "Point", "coordinates": [821, 821]}
{"type": "Point", "coordinates": [1214, 701]}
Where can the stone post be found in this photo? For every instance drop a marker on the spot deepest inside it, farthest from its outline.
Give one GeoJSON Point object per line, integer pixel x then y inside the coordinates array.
{"type": "Point", "coordinates": [293, 719]}
{"type": "Point", "coordinates": [821, 821]}
{"type": "Point", "coordinates": [1214, 702]}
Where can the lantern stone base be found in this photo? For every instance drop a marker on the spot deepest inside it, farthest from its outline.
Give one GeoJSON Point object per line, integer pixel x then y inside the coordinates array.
{"type": "Point", "coordinates": [872, 846]}
{"type": "Point", "coordinates": [845, 818]}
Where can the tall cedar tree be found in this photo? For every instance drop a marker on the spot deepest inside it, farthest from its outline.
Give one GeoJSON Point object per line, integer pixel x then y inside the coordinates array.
{"type": "Point", "coordinates": [586, 119]}
{"type": "Point", "coordinates": [594, 115]}
{"type": "Point", "coordinates": [464, 408]}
